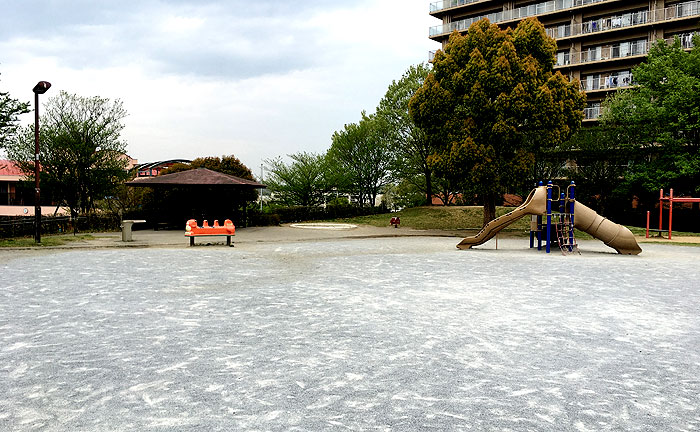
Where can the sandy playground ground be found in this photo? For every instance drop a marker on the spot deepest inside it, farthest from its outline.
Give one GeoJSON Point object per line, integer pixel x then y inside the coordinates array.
{"type": "Point", "coordinates": [326, 332]}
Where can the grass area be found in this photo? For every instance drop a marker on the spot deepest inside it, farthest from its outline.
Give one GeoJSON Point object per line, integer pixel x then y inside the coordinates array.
{"type": "Point", "coordinates": [452, 218]}
{"type": "Point", "coordinates": [47, 240]}
{"type": "Point", "coordinates": [470, 218]}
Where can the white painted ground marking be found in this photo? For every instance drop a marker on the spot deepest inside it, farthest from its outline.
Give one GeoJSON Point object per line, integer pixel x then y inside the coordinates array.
{"type": "Point", "coordinates": [323, 226]}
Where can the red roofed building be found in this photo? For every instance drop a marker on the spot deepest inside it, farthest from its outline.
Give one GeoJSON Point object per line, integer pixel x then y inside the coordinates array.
{"type": "Point", "coordinates": [15, 198]}
{"type": "Point", "coordinates": [10, 176]}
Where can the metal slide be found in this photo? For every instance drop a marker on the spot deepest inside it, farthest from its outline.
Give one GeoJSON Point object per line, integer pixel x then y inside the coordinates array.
{"type": "Point", "coordinates": [613, 235]}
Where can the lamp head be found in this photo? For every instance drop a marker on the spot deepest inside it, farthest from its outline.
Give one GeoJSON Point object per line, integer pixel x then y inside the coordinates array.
{"type": "Point", "coordinates": [41, 87]}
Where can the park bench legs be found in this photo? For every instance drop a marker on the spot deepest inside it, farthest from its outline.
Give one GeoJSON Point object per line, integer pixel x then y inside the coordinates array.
{"type": "Point", "coordinates": [228, 240]}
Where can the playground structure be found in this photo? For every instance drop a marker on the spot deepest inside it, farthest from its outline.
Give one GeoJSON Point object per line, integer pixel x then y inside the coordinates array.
{"type": "Point", "coordinates": [227, 230]}
{"type": "Point", "coordinates": [671, 200]}
{"type": "Point", "coordinates": [572, 214]}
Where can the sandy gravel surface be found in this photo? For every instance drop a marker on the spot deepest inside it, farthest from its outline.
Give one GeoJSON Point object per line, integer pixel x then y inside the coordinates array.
{"type": "Point", "coordinates": [350, 334]}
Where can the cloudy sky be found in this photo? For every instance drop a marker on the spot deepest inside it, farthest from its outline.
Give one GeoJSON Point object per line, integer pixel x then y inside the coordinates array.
{"type": "Point", "coordinates": [256, 79]}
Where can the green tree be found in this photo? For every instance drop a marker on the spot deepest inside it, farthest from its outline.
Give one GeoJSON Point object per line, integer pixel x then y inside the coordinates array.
{"type": "Point", "coordinates": [82, 154]}
{"type": "Point", "coordinates": [10, 110]}
{"type": "Point", "coordinates": [600, 166]}
{"type": "Point", "coordinates": [492, 103]}
{"type": "Point", "coordinates": [658, 121]}
{"type": "Point", "coordinates": [302, 182]}
{"type": "Point", "coordinates": [230, 165]}
{"type": "Point", "coordinates": [410, 143]}
{"type": "Point", "coordinates": [402, 195]}
{"type": "Point", "coordinates": [362, 157]}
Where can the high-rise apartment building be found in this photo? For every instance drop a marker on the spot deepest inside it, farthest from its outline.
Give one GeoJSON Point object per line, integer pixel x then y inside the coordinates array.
{"type": "Point", "coordinates": [599, 41]}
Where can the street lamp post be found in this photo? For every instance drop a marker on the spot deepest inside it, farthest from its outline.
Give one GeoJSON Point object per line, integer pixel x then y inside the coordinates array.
{"type": "Point", "coordinates": [40, 88]}
{"type": "Point", "coordinates": [261, 189]}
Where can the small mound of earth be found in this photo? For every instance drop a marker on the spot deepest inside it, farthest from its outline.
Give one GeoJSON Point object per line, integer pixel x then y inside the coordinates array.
{"type": "Point", "coordinates": [324, 226]}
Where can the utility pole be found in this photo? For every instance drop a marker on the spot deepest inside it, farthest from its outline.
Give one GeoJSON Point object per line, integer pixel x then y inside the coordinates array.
{"type": "Point", "coordinates": [261, 189]}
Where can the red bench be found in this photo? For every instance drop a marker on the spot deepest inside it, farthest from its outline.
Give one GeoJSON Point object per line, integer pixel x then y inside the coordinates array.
{"type": "Point", "coordinates": [227, 230]}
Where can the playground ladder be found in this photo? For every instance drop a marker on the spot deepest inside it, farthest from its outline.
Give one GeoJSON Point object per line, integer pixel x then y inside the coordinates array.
{"type": "Point", "coordinates": [565, 233]}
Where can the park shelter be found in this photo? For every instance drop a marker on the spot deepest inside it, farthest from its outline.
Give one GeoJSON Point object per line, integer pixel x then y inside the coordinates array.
{"type": "Point", "coordinates": [197, 194]}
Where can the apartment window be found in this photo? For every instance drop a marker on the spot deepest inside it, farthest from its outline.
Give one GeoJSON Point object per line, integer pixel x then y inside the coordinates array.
{"type": "Point", "coordinates": [638, 47]}
{"type": "Point", "coordinates": [592, 111]}
{"type": "Point", "coordinates": [564, 30]}
{"type": "Point", "coordinates": [4, 194]}
{"type": "Point", "coordinates": [560, 31]}
{"type": "Point", "coordinates": [591, 82]}
{"type": "Point", "coordinates": [686, 9]}
{"type": "Point", "coordinates": [641, 17]}
{"type": "Point", "coordinates": [618, 79]}
{"type": "Point", "coordinates": [685, 38]}
{"type": "Point", "coordinates": [563, 58]}
{"type": "Point", "coordinates": [591, 54]}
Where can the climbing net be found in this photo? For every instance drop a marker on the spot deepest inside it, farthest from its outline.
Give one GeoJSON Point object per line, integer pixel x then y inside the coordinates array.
{"type": "Point", "coordinates": [565, 233]}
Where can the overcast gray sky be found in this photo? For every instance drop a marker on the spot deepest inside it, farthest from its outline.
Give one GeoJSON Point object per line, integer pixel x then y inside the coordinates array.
{"type": "Point", "coordinates": [256, 79]}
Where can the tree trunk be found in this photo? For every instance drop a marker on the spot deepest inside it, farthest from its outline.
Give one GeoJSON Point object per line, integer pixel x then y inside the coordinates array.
{"type": "Point", "coordinates": [428, 188]}
{"type": "Point", "coordinates": [489, 209]}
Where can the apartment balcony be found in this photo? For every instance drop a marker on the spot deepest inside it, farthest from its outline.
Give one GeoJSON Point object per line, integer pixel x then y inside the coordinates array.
{"type": "Point", "coordinates": [601, 25]}
{"type": "Point", "coordinates": [513, 14]}
{"type": "Point", "coordinates": [679, 11]}
{"type": "Point", "coordinates": [628, 20]}
{"type": "Point", "coordinates": [616, 51]}
{"type": "Point", "coordinates": [607, 82]}
{"type": "Point", "coordinates": [685, 38]}
{"type": "Point", "coordinates": [591, 113]}
{"type": "Point", "coordinates": [449, 4]}
{"type": "Point", "coordinates": [603, 53]}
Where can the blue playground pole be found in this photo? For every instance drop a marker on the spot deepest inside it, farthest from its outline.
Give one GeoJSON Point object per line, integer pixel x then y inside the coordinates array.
{"type": "Point", "coordinates": [539, 226]}
{"type": "Point", "coordinates": [549, 214]}
{"type": "Point", "coordinates": [572, 201]}
{"type": "Point", "coordinates": [562, 200]}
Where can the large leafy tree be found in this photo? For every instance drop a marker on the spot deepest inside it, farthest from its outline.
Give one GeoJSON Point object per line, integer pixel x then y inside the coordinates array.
{"type": "Point", "coordinates": [492, 103]}
{"type": "Point", "coordinates": [408, 140]}
{"type": "Point", "coordinates": [303, 181]}
{"type": "Point", "coordinates": [82, 154]}
{"type": "Point", "coordinates": [361, 152]}
{"type": "Point", "coordinates": [227, 164]}
{"type": "Point", "coordinates": [10, 110]}
{"type": "Point", "coordinates": [658, 121]}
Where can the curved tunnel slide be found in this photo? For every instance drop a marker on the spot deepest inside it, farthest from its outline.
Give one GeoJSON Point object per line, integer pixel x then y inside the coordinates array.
{"type": "Point", "coordinates": [613, 235]}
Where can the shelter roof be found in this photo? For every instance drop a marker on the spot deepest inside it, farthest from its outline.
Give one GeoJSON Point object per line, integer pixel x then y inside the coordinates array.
{"type": "Point", "coordinates": [194, 177]}
{"type": "Point", "coordinates": [8, 168]}
{"type": "Point", "coordinates": [148, 165]}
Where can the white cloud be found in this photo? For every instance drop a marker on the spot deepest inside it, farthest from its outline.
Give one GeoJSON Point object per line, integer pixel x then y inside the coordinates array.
{"type": "Point", "coordinates": [202, 80]}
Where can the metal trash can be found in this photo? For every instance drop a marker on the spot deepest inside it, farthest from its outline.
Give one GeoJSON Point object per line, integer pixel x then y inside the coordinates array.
{"type": "Point", "coordinates": [126, 229]}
